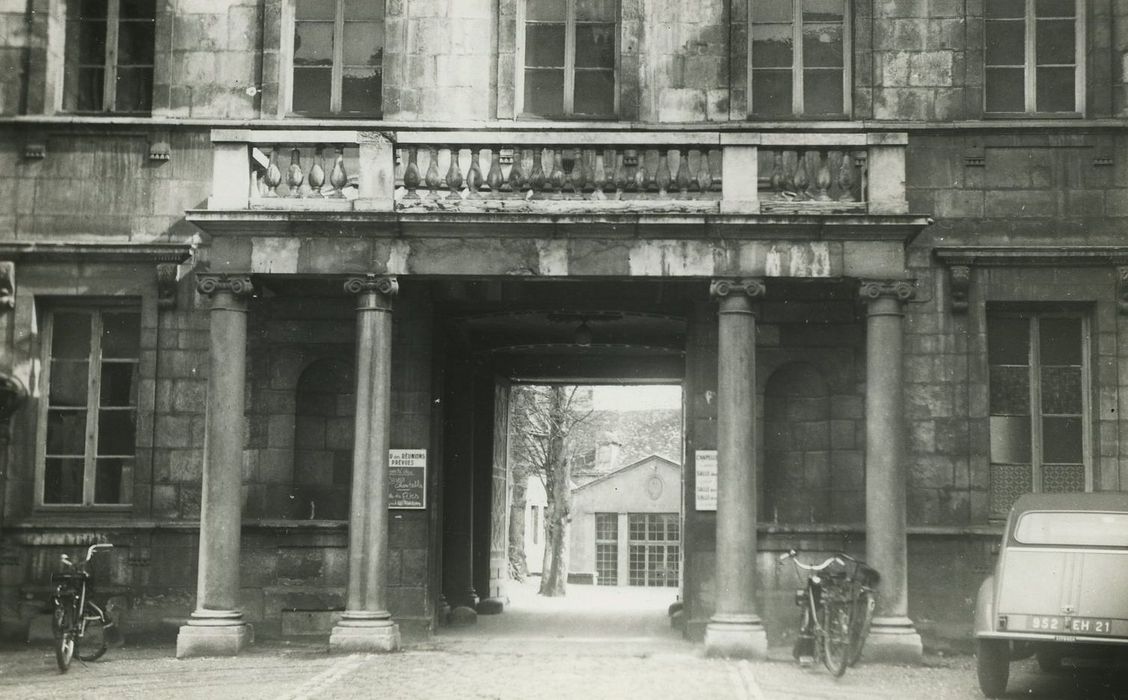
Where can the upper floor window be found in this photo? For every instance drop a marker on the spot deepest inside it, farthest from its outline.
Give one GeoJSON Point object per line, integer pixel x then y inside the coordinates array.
{"type": "Point", "coordinates": [800, 58]}
{"type": "Point", "coordinates": [570, 58]}
{"type": "Point", "coordinates": [338, 56]}
{"type": "Point", "coordinates": [108, 56]}
{"type": "Point", "coordinates": [1034, 56]}
{"type": "Point", "coordinates": [88, 421]}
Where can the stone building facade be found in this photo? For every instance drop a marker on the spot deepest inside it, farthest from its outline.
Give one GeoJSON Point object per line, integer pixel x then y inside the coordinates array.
{"type": "Point", "coordinates": [880, 244]}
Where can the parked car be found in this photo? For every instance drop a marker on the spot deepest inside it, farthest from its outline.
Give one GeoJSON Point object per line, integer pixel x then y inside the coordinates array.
{"type": "Point", "coordinates": [1060, 587]}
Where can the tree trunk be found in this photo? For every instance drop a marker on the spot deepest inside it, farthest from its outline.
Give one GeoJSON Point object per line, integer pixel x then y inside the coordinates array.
{"type": "Point", "coordinates": [558, 513]}
{"type": "Point", "coordinates": [518, 566]}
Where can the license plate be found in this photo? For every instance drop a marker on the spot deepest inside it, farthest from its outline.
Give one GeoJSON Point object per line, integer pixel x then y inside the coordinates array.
{"type": "Point", "coordinates": [1070, 625]}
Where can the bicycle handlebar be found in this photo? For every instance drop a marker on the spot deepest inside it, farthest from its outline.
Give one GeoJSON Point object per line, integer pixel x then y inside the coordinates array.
{"type": "Point", "coordinates": [793, 555]}
{"type": "Point", "coordinates": [89, 554]}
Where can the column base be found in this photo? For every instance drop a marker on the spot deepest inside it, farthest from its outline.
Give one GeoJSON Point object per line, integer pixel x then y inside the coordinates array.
{"type": "Point", "coordinates": [491, 606]}
{"type": "Point", "coordinates": [360, 631]}
{"type": "Point", "coordinates": [893, 640]}
{"type": "Point", "coordinates": [736, 636]}
{"type": "Point", "coordinates": [463, 615]}
{"type": "Point", "coordinates": [213, 633]}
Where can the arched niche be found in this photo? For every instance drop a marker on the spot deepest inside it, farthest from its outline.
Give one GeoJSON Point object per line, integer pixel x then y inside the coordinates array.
{"type": "Point", "coordinates": [797, 446]}
{"type": "Point", "coordinates": [323, 440]}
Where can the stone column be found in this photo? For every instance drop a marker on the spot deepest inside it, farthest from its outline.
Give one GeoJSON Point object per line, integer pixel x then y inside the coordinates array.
{"type": "Point", "coordinates": [366, 624]}
{"type": "Point", "coordinates": [217, 628]}
{"type": "Point", "coordinates": [892, 636]}
{"type": "Point", "coordinates": [458, 487]}
{"type": "Point", "coordinates": [735, 629]}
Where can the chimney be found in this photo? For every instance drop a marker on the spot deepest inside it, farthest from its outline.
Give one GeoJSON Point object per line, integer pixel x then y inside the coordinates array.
{"type": "Point", "coordinates": [607, 453]}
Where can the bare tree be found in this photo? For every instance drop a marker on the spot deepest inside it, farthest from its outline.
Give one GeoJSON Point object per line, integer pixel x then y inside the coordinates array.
{"type": "Point", "coordinates": [543, 418]}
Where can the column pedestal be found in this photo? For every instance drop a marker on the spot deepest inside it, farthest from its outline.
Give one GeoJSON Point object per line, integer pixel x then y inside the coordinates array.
{"type": "Point", "coordinates": [214, 633]}
{"type": "Point", "coordinates": [365, 632]}
{"type": "Point", "coordinates": [893, 640]}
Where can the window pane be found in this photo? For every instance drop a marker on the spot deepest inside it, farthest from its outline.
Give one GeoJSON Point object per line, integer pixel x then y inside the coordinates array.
{"type": "Point", "coordinates": [822, 92]}
{"type": "Point", "coordinates": [1006, 43]}
{"type": "Point", "coordinates": [83, 90]}
{"type": "Point", "coordinates": [822, 11]}
{"type": "Point", "coordinates": [69, 381]}
{"type": "Point", "coordinates": [70, 336]}
{"type": "Point", "coordinates": [66, 432]}
{"type": "Point", "coordinates": [363, 9]}
{"type": "Point", "coordinates": [363, 43]}
{"type": "Point", "coordinates": [111, 480]}
{"type": "Point", "coordinates": [138, 9]}
{"type": "Point", "coordinates": [1061, 390]}
{"type": "Point", "coordinates": [595, 46]}
{"type": "Point", "coordinates": [1063, 478]}
{"type": "Point", "coordinates": [1006, 8]}
{"type": "Point", "coordinates": [119, 384]}
{"type": "Point", "coordinates": [360, 90]}
{"type": "Point", "coordinates": [822, 45]}
{"type": "Point", "coordinates": [313, 44]}
{"type": "Point", "coordinates": [771, 92]}
{"type": "Point", "coordinates": [312, 90]}
{"type": "Point", "coordinates": [1008, 341]}
{"type": "Point", "coordinates": [544, 92]}
{"type": "Point", "coordinates": [1055, 89]}
{"type": "Point", "coordinates": [595, 92]}
{"type": "Point", "coordinates": [315, 9]}
{"type": "Point", "coordinates": [771, 46]}
{"type": "Point", "coordinates": [546, 10]}
{"type": "Point", "coordinates": [87, 8]}
{"type": "Point", "coordinates": [1085, 529]}
{"type": "Point", "coordinates": [596, 10]}
{"type": "Point", "coordinates": [1055, 8]}
{"type": "Point", "coordinates": [135, 43]}
{"type": "Point", "coordinates": [544, 45]}
{"type": "Point", "coordinates": [1060, 341]}
{"type": "Point", "coordinates": [62, 481]}
{"type": "Point", "coordinates": [780, 11]}
{"type": "Point", "coordinates": [121, 335]}
{"type": "Point", "coordinates": [134, 90]}
{"type": "Point", "coordinates": [1061, 440]}
{"type": "Point", "coordinates": [1010, 391]}
{"type": "Point", "coordinates": [1010, 439]}
{"type": "Point", "coordinates": [116, 432]}
{"type": "Point", "coordinates": [91, 42]}
{"type": "Point", "coordinates": [1055, 42]}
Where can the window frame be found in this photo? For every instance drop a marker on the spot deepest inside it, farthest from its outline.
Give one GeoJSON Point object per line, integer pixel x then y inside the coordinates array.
{"type": "Point", "coordinates": [1030, 65]}
{"type": "Point", "coordinates": [797, 67]}
{"type": "Point", "coordinates": [569, 67]}
{"type": "Point", "coordinates": [93, 409]}
{"type": "Point", "coordinates": [109, 63]}
{"type": "Point", "coordinates": [1034, 317]}
{"type": "Point", "coordinates": [336, 87]}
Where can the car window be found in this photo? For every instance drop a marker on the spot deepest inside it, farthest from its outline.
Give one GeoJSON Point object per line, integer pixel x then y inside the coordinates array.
{"type": "Point", "coordinates": [1077, 528]}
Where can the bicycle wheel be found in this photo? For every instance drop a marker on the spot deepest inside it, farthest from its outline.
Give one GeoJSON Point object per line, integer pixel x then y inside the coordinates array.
{"type": "Point", "coordinates": [860, 625]}
{"type": "Point", "coordinates": [93, 637]}
{"type": "Point", "coordinates": [63, 624]}
{"type": "Point", "coordinates": [836, 636]}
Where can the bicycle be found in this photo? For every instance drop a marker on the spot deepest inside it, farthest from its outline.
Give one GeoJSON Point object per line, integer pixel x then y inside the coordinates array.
{"type": "Point", "coordinates": [837, 609]}
{"type": "Point", "coordinates": [81, 627]}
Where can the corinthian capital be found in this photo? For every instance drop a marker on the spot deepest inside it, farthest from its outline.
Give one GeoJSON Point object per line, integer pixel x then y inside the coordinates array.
{"type": "Point", "coordinates": [901, 290]}
{"type": "Point", "coordinates": [382, 284]}
{"type": "Point", "coordinates": [237, 285]}
{"type": "Point", "coordinates": [754, 288]}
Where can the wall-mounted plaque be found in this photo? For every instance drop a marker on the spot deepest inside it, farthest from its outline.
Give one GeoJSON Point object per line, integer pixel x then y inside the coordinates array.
{"type": "Point", "coordinates": [407, 479]}
{"type": "Point", "coordinates": [705, 484]}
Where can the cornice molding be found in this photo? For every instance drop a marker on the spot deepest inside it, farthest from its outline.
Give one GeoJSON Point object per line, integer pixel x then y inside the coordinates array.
{"type": "Point", "coordinates": [96, 252]}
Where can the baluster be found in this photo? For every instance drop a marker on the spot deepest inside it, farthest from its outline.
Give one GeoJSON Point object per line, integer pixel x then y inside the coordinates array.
{"type": "Point", "coordinates": [777, 177]}
{"type": "Point", "coordinates": [704, 176]}
{"type": "Point", "coordinates": [536, 178]}
{"type": "Point", "coordinates": [822, 178]}
{"type": "Point", "coordinates": [802, 181]}
{"type": "Point", "coordinates": [623, 178]}
{"type": "Point", "coordinates": [517, 180]}
{"type": "Point", "coordinates": [272, 178]}
{"type": "Point", "coordinates": [454, 174]}
{"type": "Point", "coordinates": [683, 179]}
{"type": "Point", "coordinates": [317, 174]}
{"type": "Point", "coordinates": [338, 178]}
{"type": "Point", "coordinates": [494, 178]}
{"type": "Point", "coordinates": [861, 161]}
{"type": "Point", "coordinates": [845, 178]}
{"type": "Point", "coordinates": [579, 174]}
{"type": "Point", "coordinates": [434, 182]}
{"type": "Point", "coordinates": [294, 176]}
{"type": "Point", "coordinates": [474, 174]}
{"type": "Point", "coordinates": [641, 176]}
{"type": "Point", "coordinates": [662, 176]}
{"type": "Point", "coordinates": [411, 173]}
{"type": "Point", "coordinates": [599, 174]}
{"type": "Point", "coordinates": [557, 177]}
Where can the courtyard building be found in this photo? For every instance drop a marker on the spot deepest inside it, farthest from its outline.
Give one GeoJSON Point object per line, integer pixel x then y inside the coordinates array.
{"type": "Point", "coordinates": [270, 268]}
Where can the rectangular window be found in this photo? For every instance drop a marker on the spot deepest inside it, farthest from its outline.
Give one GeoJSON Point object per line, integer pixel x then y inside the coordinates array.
{"type": "Point", "coordinates": [108, 56]}
{"type": "Point", "coordinates": [607, 549]}
{"type": "Point", "coordinates": [799, 58]}
{"type": "Point", "coordinates": [88, 423]}
{"type": "Point", "coordinates": [655, 543]}
{"type": "Point", "coordinates": [1038, 405]}
{"type": "Point", "coordinates": [338, 56]}
{"type": "Point", "coordinates": [570, 50]}
{"type": "Point", "coordinates": [1034, 56]}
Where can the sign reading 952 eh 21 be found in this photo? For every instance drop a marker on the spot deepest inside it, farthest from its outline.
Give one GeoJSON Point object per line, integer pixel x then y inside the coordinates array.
{"type": "Point", "coordinates": [407, 479]}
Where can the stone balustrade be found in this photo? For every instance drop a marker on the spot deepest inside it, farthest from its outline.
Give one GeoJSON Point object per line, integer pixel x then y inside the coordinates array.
{"type": "Point", "coordinates": [560, 172]}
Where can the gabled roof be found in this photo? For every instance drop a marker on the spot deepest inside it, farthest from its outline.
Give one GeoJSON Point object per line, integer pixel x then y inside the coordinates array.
{"type": "Point", "coordinates": [632, 465]}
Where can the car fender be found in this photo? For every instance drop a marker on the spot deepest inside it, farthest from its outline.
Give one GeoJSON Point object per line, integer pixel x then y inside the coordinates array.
{"type": "Point", "coordinates": [985, 606]}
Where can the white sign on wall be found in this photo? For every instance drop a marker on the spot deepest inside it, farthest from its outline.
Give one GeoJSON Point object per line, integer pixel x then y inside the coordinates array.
{"type": "Point", "coordinates": [407, 479]}
{"type": "Point", "coordinates": [706, 481]}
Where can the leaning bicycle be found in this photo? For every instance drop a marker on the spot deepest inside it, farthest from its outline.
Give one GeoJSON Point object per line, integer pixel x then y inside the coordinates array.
{"type": "Point", "coordinates": [81, 627]}
{"type": "Point", "coordinates": [837, 607]}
